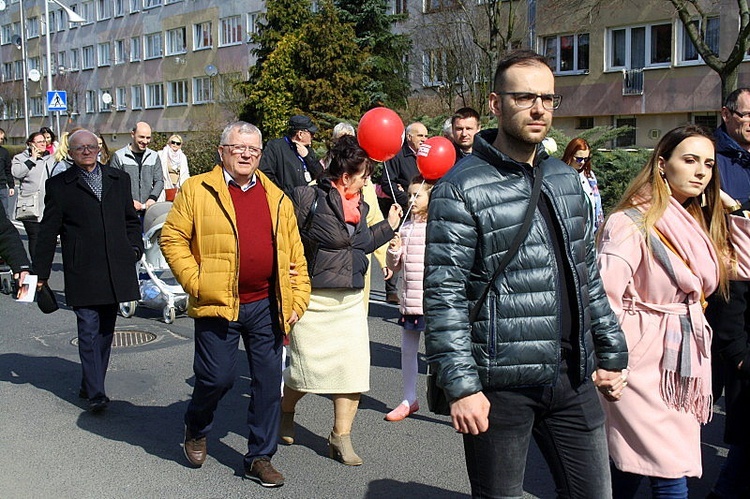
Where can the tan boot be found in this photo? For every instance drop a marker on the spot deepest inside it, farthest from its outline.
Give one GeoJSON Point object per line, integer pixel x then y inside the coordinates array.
{"type": "Point", "coordinates": [286, 428]}
{"type": "Point", "coordinates": [340, 448]}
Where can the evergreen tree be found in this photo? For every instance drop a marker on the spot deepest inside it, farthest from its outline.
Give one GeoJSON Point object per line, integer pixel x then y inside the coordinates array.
{"type": "Point", "coordinates": [317, 69]}
{"type": "Point", "coordinates": [282, 17]}
{"type": "Point", "coordinates": [388, 70]}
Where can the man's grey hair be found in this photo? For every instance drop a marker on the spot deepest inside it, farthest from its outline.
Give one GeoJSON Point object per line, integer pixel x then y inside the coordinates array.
{"type": "Point", "coordinates": [241, 127]}
{"type": "Point", "coordinates": [342, 129]}
{"type": "Point", "coordinates": [80, 131]}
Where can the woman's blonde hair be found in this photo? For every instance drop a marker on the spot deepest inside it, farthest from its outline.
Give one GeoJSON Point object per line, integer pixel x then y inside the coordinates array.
{"type": "Point", "coordinates": [648, 187]}
{"type": "Point", "coordinates": [175, 137]}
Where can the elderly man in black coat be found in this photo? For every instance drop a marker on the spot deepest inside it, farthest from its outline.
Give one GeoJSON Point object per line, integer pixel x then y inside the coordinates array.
{"type": "Point", "coordinates": [91, 207]}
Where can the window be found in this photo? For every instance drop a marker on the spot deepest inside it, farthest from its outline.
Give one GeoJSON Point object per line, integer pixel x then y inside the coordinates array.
{"type": "Point", "coordinates": [136, 97]}
{"type": "Point", "coordinates": [103, 53]}
{"type": "Point", "coordinates": [230, 31]}
{"type": "Point", "coordinates": [105, 107]}
{"type": "Point", "coordinates": [176, 41]}
{"type": "Point", "coordinates": [203, 90]}
{"type": "Point", "coordinates": [120, 98]}
{"type": "Point", "coordinates": [177, 94]}
{"type": "Point", "coordinates": [103, 9]}
{"type": "Point", "coordinates": [626, 139]}
{"type": "Point", "coordinates": [252, 22]}
{"type": "Point", "coordinates": [135, 49]}
{"type": "Point", "coordinates": [62, 62]}
{"type": "Point", "coordinates": [75, 60]}
{"type": "Point", "coordinates": [585, 123]}
{"type": "Point", "coordinates": [438, 5]}
{"type": "Point", "coordinates": [75, 9]}
{"type": "Point", "coordinates": [32, 28]}
{"type": "Point", "coordinates": [167, 2]}
{"type": "Point", "coordinates": [439, 67]}
{"type": "Point", "coordinates": [18, 69]}
{"type": "Point", "coordinates": [135, 6]}
{"type": "Point", "coordinates": [90, 101]}
{"type": "Point", "coordinates": [154, 46]}
{"type": "Point", "coordinates": [33, 63]}
{"type": "Point", "coordinates": [119, 51]}
{"type": "Point", "coordinates": [709, 121]}
{"type": "Point", "coordinates": [154, 95]}
{"type": "Point", "coordinates": [36, 106]}
{"type": "Point", "coordinates": [567, 53]}
{"type": "Point", "coordinates": [202, 38]}
{"type": "Point", "coordinates": [87, 12]}
{"type": "Point", "coordinates": [7, 71]}
{"type": "Point", "coordinates": [119, 8]}
{"type": "Point", "coordinates": [640, 47]}
{"type": "Point", "coordinates": [687, 51]}
{"type": "Point", "coordinates": [147, 4]}
{"type": "Point", "coordinates": [6, 33]}
{"type": "Point", "coordinates": [399, 7]}
{"type": "Point", "coordinates": [53, 20]}
{"type": "Point", "coordinates": [88, 57]}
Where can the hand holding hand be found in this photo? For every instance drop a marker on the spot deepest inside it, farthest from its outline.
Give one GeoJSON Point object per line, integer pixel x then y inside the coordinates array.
{"type": "Point", "coordinates": [395, 243]}
{"type": "Point", "coordinates": [149, 203]}
{"type": "Point", "coordinates": [137, 205]}
{"type": "Point", "coordinates": [610, 383]}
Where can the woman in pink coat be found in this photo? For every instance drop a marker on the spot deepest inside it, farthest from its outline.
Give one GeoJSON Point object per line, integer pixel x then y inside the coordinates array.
{"type": "Point", "coordinates": [669, 243]}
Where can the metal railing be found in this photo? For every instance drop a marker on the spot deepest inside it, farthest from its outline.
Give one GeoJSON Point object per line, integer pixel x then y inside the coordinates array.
{"type": "Point", "coordinates": [632, 82]}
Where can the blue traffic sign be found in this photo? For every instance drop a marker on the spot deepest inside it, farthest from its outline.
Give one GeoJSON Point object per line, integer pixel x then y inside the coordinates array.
{"type": "Point", "coordinates": [57, 100]}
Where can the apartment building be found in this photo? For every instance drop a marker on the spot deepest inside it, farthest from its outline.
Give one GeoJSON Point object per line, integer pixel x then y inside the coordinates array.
{"type": "Point", "coordinates": [629, 63]}
{"type": "Point", "coordinates": [170, 63]}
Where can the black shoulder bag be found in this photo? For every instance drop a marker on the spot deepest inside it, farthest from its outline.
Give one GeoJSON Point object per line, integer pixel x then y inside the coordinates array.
{"type": "Point", "coordinates": [436, 399]}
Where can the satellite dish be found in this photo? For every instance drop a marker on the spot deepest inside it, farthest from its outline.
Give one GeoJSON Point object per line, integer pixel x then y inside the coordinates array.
{"type": "Point", "coordinates": [211, 70]}
{"type": "Point", "coordinates": [107, 98]}
{"type": "Point", "coordinates": [2, 5]}
{"type": "Point", "coordinates": [35, 75]}
{"type": "Point", "coordinates": [16, 40]}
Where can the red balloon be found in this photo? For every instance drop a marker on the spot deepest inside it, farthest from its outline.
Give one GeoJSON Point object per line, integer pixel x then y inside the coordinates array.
{"type": "Point", "coordinates": [435, 157]}
{"type": "Point", "coordinates": [381, 133]}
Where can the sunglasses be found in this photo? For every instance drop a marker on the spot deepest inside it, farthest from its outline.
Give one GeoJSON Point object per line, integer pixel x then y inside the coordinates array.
{"type": "Point", "coordinates": [174, 142]}
{"type": "Point", "coordinates": [582, 160]}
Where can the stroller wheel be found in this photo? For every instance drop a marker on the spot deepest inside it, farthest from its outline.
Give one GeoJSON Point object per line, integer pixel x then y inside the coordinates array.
{"type": "Point", "coordinates": [168, 314]}
{"type": "Point", "coordinates": [127, 308]}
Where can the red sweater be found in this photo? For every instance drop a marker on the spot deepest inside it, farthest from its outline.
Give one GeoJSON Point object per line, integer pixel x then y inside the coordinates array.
{"type": "Point", "coordinates": [255, 241]}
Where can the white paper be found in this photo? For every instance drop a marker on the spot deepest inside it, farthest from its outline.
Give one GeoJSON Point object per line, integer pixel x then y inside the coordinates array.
{"type": "Point", "coordinates": [28, 288]}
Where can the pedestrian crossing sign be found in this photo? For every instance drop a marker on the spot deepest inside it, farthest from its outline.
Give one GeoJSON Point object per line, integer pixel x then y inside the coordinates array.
{"type": "Point", "coordinates": [57, 100]}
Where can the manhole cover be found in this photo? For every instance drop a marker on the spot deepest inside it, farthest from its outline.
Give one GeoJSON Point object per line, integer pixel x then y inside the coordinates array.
{"type": "Point", "coordinates": [124, 339]}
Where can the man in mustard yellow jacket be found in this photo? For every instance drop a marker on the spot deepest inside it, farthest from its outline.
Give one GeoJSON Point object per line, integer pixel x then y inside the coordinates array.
{"type": "Point", "coordinates": [232, 242]}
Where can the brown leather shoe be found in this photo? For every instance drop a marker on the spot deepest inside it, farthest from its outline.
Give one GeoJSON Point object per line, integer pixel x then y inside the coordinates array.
{"type": "Point", "coordinates": [263, 472]}
{"type": "Point", "coordinates": [195, 449]}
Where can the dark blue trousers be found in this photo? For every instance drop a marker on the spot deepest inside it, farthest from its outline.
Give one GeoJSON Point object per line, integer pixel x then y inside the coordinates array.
{"type": "Point", "coordinates": [96, 326]}
{"type": "Point", "coordinates": [216, 352]}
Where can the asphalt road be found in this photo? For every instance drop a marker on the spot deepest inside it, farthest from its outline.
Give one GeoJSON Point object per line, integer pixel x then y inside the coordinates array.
{"type": "Point", "coordinates": [51, 447]}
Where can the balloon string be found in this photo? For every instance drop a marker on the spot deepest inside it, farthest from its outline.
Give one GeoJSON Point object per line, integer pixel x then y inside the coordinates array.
{"type": "Point", "coordinates": [390, 182]}
{"type": "Point", "coordinates": [411, 205]}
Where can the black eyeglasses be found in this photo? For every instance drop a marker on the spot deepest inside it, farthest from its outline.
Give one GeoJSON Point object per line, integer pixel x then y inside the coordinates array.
{"type": "Point", "coordinates": [742, 116]}
{"type": "Point", "coordinates": [582, 160]}
{"type": "Point", "coordinates": [526, 100]}
{"type": "Point", "coordinates": [176, 143]}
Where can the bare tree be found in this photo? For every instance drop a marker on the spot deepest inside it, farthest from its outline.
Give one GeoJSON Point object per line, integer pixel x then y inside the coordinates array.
{"type": "Point", "coordinates": [462, 41]}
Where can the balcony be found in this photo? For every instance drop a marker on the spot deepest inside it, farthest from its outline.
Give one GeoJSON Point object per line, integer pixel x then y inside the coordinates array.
{"type": "Point", "coordinates": [632, 81]}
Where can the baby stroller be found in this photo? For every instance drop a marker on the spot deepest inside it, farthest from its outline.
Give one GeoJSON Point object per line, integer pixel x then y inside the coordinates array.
{"type": "Point", "coordinates": [159, 289]}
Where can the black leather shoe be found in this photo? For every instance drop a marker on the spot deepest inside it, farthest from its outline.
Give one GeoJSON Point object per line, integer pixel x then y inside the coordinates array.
{"type": "Point", "coordinates": [98, 405]}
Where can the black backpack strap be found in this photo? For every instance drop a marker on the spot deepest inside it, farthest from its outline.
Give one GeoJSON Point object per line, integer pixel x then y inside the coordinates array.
{"type": "Point", "coordinates": [513, 248]}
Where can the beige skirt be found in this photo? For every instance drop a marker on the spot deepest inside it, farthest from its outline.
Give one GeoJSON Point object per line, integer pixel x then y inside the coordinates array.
{"type": "Point", "coordinates": [329, 348]}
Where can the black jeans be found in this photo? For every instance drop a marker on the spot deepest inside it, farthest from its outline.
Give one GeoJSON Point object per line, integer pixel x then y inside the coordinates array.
{"type": "Point", "coordinates": [568, 426]}
{"type": "Point", "coordinates": [32, 232]}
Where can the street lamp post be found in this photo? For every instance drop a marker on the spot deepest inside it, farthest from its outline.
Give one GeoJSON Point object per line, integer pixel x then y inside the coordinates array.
{"type": "Point", "coordinates": [73, 18]}
{"type": "Point", "coordinates": [23, 66]}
